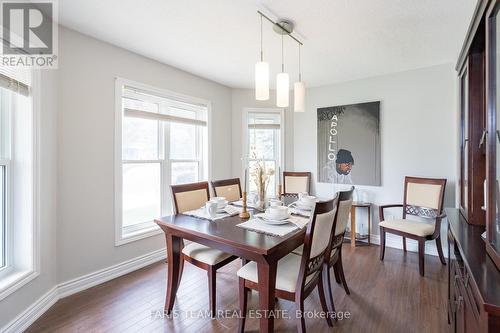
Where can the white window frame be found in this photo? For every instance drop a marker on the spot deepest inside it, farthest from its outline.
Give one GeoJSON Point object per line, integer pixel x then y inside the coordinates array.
{"type": "Point", "coordinates": [245, 132]}
{"type": "Point", "coordinates": [14, 275]}
{"type": "Point", "coordinates": [146, 229]}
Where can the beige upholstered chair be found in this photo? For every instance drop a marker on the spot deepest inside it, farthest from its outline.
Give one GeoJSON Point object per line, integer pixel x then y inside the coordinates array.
{"type": "Point", "coordinates": [296, 182]}
{"type": "Point", "coordinates": [340, 225]}
{"type": "Point", "coordinates": [297, 276]}
{"type": "Point", "coordinates": [423, 198]}
{"type": "Point", "coordinates": [189, 197]}
{"type": "Point", "coordinates": [227, 188]}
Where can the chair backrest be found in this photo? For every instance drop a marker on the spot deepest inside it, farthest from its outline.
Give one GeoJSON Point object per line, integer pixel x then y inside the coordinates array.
{"type": "Point", "coordinates": [423, 197]}
{"type": "Point", "coordinates": [189, 196]}
{"type": "Point", "coordinates": [317, 241]}
{"type": "Point", "coordinates": [296, 182]}
{"type": "Point", "coordinates": [228, 188]}
{"type": "Point", "coordinates": [341, 218]}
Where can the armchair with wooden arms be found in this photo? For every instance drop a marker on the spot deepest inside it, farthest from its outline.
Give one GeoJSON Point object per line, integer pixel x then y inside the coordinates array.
{"type": "Point", "coordinates": [423, 197]}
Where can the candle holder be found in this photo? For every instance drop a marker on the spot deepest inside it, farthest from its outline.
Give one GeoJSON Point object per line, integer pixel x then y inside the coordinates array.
{"type": "Point", "coordinates": [279, 191]}
{"type": "Point", "coordinates": [244, 214]}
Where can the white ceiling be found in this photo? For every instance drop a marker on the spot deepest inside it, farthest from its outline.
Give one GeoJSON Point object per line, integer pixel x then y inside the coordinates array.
{"type": "Point", "coordinates": [219, 39]}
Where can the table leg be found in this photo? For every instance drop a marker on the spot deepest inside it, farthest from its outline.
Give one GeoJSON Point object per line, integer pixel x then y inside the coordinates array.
{"type": "Point", "coordinates": [353, 226]}
{"type": "Point", "coordinates": [267, 285]}
{"type": "Point", "coordinates": [174, 247]}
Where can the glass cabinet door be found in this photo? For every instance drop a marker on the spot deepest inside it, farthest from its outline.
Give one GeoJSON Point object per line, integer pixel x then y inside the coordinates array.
{"type": "Point", "coordinates": [464, 143]}
{"type": "Point", "coordinates": [493, 106]}
{"type": "Point", "coordinates": [494, 232]}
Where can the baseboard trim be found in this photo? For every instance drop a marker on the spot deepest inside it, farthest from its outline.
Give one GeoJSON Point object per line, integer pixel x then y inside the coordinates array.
{"type": "Point", "coordinates": [32, 313]}
{"type": "Point", "coordinates": [39, 307]}
{"type": "Point", "coordinates": [93, 279]}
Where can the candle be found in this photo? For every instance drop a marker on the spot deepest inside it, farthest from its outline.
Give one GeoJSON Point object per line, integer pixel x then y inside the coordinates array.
{"type": "Point", "coordinates": [279, 175]}
{"type": "Point", "coordinates": [245, 185]}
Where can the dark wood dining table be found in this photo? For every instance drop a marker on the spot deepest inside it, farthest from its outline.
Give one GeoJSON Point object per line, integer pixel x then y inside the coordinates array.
{"type": "Point", "coordinates": [225, 235]}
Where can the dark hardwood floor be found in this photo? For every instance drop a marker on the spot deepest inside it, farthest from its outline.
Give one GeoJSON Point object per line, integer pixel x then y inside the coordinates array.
{"type": "Point", "coordinates": [387, 296]}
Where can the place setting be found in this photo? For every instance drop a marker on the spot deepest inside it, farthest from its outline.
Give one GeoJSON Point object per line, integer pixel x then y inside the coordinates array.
{"type": "Point", "coordinates": [279, 219]}
{"type": "Point", "coordinates": [215, 209]}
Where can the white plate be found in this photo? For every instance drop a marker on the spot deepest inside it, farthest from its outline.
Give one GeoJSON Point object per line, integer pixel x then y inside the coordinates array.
{"type": "Point", "coordinates": [274, 221]}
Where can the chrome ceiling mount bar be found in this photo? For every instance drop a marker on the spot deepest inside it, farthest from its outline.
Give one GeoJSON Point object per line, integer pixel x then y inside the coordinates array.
{"type": "Point", "coordinates": [282, 27]}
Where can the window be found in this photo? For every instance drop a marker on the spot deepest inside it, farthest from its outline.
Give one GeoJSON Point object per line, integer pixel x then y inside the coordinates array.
{"type": "Point", "coordinates": [18, 214]}
{"type": "Point", "coordinates": [163, 141]}
{"type": "Point", "coordinates": [264, 143]}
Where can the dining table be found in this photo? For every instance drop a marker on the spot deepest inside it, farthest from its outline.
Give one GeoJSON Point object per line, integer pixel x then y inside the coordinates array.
{"type": "Point", "coordinates": [224, 234]}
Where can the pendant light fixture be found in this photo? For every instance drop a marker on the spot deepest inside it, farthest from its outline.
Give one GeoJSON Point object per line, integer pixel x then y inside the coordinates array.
{"type": "Point", "coordinates": [282, 83]}
{"type": "Point", "coordinates": [299, 92]}
{"type": "Point", "coordinates": [261, 74]}
{"type": "Point", "coordinates": [282, 27]}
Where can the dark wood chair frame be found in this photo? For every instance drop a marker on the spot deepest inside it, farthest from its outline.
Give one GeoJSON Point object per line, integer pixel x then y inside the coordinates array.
{"type": "Point", "coordinates": [226, 182]}
{"type": "Point", "coordinates": [436, 214]}
{"type": "Point", "coordinates": [308, 267]}
{"type": "Point", "coordinates": [211, 269]}
{"type": "Point", "coordinates": [296, 174]}
{"type": "Point", "coordinates": [336, 260]}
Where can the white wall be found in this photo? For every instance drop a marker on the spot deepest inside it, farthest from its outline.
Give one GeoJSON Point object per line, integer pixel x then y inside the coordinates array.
{"type": "Point", "coordinates": [418, 129]}
{"type": "Point", "coordinates": [87, 69]}
{"type": "Point", "coordinates": [245, 98]}
{"type": "Point", "coordinates": [21, 299]}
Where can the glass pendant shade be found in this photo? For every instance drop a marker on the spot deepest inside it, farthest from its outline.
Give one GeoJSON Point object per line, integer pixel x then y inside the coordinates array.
{"type": "Point", "coordinates": [282, 90]}
{"type": "Point", "coordinates": [262, 81]}
{"type": "Point", "coordinates": [299, 93]}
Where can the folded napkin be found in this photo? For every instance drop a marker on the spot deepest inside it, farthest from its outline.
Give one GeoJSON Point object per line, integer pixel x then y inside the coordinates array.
{"type": "Point", "coordinates": [301, 212]}
{"type": "Point", "coordinates": [203, 214]}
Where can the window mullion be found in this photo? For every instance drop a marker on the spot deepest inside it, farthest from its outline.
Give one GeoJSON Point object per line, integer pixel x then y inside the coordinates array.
{"type": "Point", "coordinates": [167, 168]}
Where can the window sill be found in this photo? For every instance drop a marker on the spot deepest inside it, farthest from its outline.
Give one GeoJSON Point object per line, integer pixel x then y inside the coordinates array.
{"type": "Point", "coordinates": [12, 279]}
{"type": "Point", "coordinates": [132, 236]}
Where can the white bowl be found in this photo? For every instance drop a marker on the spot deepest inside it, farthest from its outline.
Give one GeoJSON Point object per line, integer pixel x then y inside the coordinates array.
{"type": "Point", "coordinates": [277, 212]}
{"type": "Point", "coordinates": [220, 201]}
{"type": "Point", "coordinates": [307, 200]}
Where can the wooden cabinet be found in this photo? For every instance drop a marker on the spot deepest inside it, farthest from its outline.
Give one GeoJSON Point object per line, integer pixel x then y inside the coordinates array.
{"type": "Point", "coordinates": [479, 82]}
{"type": "Point", "coordinates": [492, 18]}
{"type": "Point", "coordinates": [472, 78]}
{"type": "Point", "coordinates": [473, 280]}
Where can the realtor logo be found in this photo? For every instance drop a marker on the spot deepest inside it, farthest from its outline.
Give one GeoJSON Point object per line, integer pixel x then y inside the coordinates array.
{"type": "Point", "coordinates": [29, 33]}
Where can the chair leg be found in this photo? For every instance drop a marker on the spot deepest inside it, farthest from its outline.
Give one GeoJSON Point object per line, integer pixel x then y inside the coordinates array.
{"type": "Point", "coordinates": [301, 322]}
{"type": "Point", "coordinates": [341, 273]}
{"type": "Point", "coordinates": [382, 243]}
{"type": "Point", "coordinates": [322, 298]}
{"type": "Point", "coordinates": [243, 305]}
{"type": "Point", "coordinates": [404, 244]}
{"type": "Point", "coordinates": [421, 253]}
{"type": "Point", "coordinates": [336, 274]}
{"type": "Point", "coordinates": [440, 250]}
{"type": "Point", "coordinates": [211, 289]}
{"type": "Point", "coordinates": [328, 284]}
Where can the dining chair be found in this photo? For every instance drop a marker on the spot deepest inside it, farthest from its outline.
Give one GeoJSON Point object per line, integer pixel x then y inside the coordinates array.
{"type": "Point", "coordinates": [227, 188]}
{"type": "Point", "coordinates": [189, 197]}
{"type": "Point", "coordinates": [423, 198]}
{"type": "Point", "coordinates": [339, 227]}
{"type": "Point", "coordinates": [297, 276]}
{"type": "Point", "coordinates": [296, 182]}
